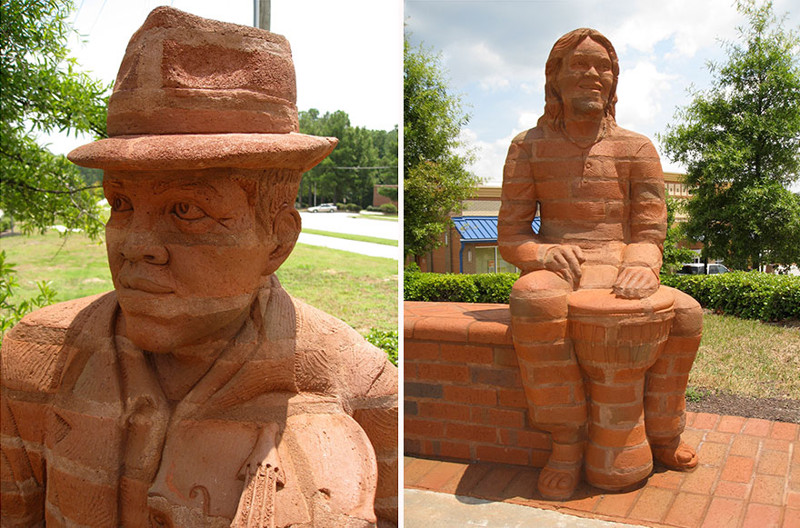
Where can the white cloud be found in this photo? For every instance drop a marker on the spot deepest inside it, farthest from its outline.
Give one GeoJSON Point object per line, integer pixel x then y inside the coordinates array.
{"type": "Point", "coordinates": [641, 92]}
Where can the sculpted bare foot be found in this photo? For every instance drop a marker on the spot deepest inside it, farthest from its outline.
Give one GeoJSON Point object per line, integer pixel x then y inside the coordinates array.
{"type": "Point", "coordinates": [558, 483]}
{"type": "Point", "coordinates": [677, 455]}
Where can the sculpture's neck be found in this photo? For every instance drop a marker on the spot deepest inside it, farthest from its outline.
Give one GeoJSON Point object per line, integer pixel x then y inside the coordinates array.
{"type": "Point", "coordinates": [585, 131]}
{"type": "Point", "coordinates": [180, 370]}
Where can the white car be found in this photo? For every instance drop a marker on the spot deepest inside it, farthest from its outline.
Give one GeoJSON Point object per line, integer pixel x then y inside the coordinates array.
{"type": "Point", "coordinates": [323, 208]}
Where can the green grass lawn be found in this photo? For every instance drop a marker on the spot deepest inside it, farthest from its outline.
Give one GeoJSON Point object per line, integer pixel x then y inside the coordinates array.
{"type": "Point", "coordinates": [360, 290]}
{"type": "Point", "coordinates": [748, 358]}
{"type": "Point", "coordinates": [348, 236]}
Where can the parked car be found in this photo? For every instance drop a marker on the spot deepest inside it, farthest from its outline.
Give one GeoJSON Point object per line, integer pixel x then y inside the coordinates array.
{"type": "Point", "coordinates": [700, 269]}
{"type": "Point", "coordinates": [323, 208]}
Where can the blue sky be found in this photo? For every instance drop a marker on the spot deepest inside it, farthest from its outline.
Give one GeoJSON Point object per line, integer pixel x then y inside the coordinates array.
{"type": "Point", "coordinates": [347, 53]}
{"type": "Point", "coordinates": [494, 52]}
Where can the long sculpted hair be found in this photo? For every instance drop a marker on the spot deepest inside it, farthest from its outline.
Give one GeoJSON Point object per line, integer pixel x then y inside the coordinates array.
{"type": "Point", "coordinates": [553, 102]}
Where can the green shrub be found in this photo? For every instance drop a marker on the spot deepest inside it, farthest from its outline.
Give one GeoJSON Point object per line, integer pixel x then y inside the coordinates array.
{"type": "Point", "coordinates": [353, 207]}
{"type": "Point", "coordinates": [450, 287]}
{"type": "Point", "coordinates": [388, 208]}
{"type": "Point", "coordinates": [386, 341]}
{"type": "Point", "coordinates": [749, 295]}
{"type": "Point", "coordinates": [373, 209]}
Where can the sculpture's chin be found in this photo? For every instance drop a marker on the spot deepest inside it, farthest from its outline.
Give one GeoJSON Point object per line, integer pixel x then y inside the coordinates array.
{"type": "Point", "coordinates": [177, 323]}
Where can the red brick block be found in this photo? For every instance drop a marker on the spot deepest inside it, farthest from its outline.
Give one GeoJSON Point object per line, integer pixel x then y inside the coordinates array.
{"type": "Point", "coordinates": [512, 398]}
{"type": "Point", "coordinates": [505, 357]}
{"type": "Point", "coordinates": [730, 424]}
{"type": "Point", "coordinates": [705, 421]}
{"type": "Point", "coordinates": [784, 431]}
{"type": "Point", "coordinates": [452, 329]}
{"type": "Point", "coordinates": [652, 505]}
{"type": "Point", "coordinates": [443, 411]}
{"type": "Point", "coordinates": [533, 353]}
{"type": "Point", "coordinates": [738, 469]}
{"type": "Point", "coordinates": [528, 438]}
{"type": "Point", "coordinates": [756, 427]}
{"type": "Point", "coordinates": [731, 490]}
{"type": "Point", "coordinates": [498, 417]}
{"type": "Point", "coordinates": [425, 428]}
{"type": "Point", "coordinates": [495, 376]}
{"type": "Point", "coordinates": [614, 393]}
{"type": "Point", "coordinates": [409, 371]}
{"type": "Point", "coordinates": [773, 463]}
{"type": "Point", "coordinates": [607, 437]}
{"type": "Point", "coordinates": [551, 395]}
{"type": "Point", "coordinates": [471, 395]}
{"type": "Point", "coordinates": [490, 332]}
{"type": "Point", "coordinates": [540, 332]}
{"type": "Point", "coordinates": [687, 510]}
{"type": "Point", "coordinates": [420, 350]}
{"type": "Point", "coordinates": [761, 515]}
{"type": "Point", "coordinates": [768, 489]}
{"type": "Point", "coordinates": [443, 372]}
{"type": "Point", "coordinates": [470, 432]}
{"type": "Point", "coordinates": [460, 450]}
{"type": "Point", "coordinates": [502, 455]}
{"type": "Point", "coordinates": [723, 513]}
{"type": "Point", "coordinates": [467, 354]}
{"type": "Point", "coordinates": [573, 414]}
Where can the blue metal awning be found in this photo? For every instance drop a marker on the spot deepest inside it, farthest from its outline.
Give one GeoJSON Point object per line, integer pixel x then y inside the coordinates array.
{"type": "Point", "coordinates": [483, 228]}
{"type": "Point", "coordinates": [474, 229]}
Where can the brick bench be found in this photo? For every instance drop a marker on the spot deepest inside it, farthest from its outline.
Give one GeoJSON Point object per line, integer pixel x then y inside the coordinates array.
{"type": "Point", "coordinates": [463, 395]}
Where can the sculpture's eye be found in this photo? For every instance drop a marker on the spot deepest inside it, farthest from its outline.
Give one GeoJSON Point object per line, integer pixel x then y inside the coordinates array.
{"type": "Point", "coordinates": [120, 204]}
{"type": "Point", "coordinates": [187, 211]}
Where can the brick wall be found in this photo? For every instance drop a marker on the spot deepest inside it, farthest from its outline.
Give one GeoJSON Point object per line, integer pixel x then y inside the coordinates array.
{"type": "Point", "coordinates": [463, 395]}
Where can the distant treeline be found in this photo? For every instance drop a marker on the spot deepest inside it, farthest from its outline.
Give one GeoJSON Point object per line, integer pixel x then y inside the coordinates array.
{"type": "Point", "coordinates": [362, 159]}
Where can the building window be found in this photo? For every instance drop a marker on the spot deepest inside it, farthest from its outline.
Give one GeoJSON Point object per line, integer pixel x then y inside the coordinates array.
{"type": "Point", "coordinates": [488, 260]}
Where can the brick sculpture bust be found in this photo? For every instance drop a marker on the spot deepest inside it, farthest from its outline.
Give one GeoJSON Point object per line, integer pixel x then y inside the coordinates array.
{"type": "Point", "coordinates": [604, 350]}
{"type": "Point", "coordinates": [198, 393]}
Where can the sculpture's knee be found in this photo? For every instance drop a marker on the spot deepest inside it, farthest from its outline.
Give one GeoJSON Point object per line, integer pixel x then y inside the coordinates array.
{"type": "Point", "coordinates": [688, 315]}
{"type": "Point", "coordinates": [541, 295]}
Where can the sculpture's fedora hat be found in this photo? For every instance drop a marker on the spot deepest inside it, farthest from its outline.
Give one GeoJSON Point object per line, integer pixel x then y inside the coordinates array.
{"type": "Point", "coordinates": [194, 93]}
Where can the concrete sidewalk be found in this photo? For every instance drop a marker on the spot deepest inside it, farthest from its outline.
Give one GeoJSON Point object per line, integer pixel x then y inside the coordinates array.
{"type": "Point", "coordinates": [353, 246]}
{"type": "Point", "coordinates": [748, 477]}
{"type": "Point", "coordinates": [429, 509]}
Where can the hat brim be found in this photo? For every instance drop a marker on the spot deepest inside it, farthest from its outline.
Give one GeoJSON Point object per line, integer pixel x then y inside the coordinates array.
{"type": "Point", "coordinates": [202, 151]}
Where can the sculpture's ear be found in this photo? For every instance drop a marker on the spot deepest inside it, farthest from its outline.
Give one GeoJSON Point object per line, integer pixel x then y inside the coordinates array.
{"type": "Point", "coordinates": [285, 229]}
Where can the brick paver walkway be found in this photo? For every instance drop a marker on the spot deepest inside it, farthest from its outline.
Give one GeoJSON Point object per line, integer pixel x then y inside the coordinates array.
{"type": "Point", "coordinates": [749, 476]}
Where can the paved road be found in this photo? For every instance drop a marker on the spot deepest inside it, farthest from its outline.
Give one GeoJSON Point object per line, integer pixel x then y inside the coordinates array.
{"type": "Point", "coordinates": [351, 224]}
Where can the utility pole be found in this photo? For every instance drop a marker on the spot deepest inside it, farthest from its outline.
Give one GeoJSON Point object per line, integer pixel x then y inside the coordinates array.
{"type": "Point", "coordinates": [261, 12]}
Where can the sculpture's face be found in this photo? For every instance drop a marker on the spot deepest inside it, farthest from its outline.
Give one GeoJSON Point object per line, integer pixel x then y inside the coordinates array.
{"type": "Point", "coordinates": [186, 253]}
{"type": "Point", "coordinates": [586, 78]}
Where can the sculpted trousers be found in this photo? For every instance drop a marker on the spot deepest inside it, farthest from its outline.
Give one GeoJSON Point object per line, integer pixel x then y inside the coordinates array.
{"type": "Point", "coordinates": [552, 378]}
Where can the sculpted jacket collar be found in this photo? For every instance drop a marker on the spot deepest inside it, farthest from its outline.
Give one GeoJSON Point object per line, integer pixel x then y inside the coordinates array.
{"type": "Point", "coordinates": [142, 463]}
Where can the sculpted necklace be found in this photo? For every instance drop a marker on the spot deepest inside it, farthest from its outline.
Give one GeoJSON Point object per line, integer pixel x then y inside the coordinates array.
{"type": "Point", "coordinates": [588, 145]}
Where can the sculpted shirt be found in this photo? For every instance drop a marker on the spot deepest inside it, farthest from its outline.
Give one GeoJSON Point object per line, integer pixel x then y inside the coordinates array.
{"type": "Point", "coordinates": [88, 438]}
{"type": "Point", "coordinates": [607, 198]}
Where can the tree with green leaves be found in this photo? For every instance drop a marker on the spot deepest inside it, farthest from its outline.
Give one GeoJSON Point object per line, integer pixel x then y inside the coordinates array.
{"type": "Point", "coordinates": [41, 91]}
{"type": "Point", "coordinates": [674, 254]}
{"type": "Point", "coordinates": [362, 159]}
{"type": "Point", "coordinates": [740, 142]}
{"type": "Point", "coordinates": [436, 179]}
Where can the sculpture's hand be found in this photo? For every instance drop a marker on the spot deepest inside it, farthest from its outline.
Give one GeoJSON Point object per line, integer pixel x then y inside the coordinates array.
{"type": "Point", "coordinates": [636, 282]}
{"type": "Point", "coordinates": [565, 261]}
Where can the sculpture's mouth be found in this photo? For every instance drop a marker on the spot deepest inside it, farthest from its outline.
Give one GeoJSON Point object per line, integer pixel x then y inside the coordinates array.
{"type": "Point", "coordinates": [144, 285]}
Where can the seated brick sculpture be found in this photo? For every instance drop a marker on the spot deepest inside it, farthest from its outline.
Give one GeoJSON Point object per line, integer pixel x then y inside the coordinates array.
{"type": "Point", "coordinates": [604, 350]}
{"type": "Point", "coordinates": [198, 393]}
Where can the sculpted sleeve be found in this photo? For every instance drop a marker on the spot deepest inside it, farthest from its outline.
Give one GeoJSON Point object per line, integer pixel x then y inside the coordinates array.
{"type": "Point", "coordinates": [375, 409]}
{"type": "Point", "coordinates": [27, 361]}
{"type": "Point", "coordinates": [648, 217]}
{"type": "Point", "coordinates": [515, 236]}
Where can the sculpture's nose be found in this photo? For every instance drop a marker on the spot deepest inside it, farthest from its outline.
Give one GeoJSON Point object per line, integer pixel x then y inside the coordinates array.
{"type": "Point", "coordinates": [144, 246]}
